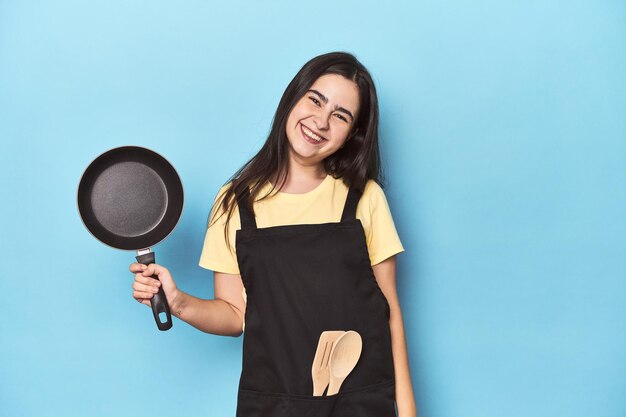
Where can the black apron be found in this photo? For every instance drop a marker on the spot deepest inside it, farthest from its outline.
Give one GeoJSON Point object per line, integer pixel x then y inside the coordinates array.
{"type": "Point", "coordinates": [301, 280]}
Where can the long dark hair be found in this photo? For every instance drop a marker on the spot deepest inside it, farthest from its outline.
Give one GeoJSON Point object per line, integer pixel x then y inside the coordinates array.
{"type": "Point", "coordinates": [356, 162]}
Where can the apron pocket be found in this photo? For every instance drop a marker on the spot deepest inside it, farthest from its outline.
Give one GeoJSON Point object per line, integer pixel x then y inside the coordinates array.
{"type": "Point", "coordinates": [370, 401]}
{"type": "Point", "coordinates": [261, 404]}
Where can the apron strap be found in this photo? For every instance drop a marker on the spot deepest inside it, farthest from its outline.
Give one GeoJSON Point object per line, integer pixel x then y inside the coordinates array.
{"type": "Point", "coordinates": [349, 208]}
{"type": "Point", "coordinates": [246, 213]}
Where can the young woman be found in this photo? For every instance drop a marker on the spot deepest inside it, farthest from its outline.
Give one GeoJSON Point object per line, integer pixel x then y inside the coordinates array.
{"type": "Point", "coordinates": [301, 240]}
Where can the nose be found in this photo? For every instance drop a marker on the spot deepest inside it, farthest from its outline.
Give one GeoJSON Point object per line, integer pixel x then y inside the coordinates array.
{"type": "Point", "coordinates": [321, 120]}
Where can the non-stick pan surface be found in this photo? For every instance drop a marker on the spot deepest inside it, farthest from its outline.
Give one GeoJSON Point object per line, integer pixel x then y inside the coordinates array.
{"type": "Point", "coordinates": [131, 198]}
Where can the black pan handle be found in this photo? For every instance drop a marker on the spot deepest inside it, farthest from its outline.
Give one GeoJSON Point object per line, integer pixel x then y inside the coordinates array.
{"type": "Point", "coordinates": [158, 302]}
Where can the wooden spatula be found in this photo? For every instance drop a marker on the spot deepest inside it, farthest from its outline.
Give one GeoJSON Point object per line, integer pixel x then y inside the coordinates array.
{"type": "Point", "coordinates": [344, 357]}
{"type": "Point", "coordinates": [320, 371]}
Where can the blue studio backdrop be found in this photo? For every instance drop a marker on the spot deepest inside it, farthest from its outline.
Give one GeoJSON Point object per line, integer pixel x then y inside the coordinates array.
{"type": "Point", "coordinates": [503, 136]}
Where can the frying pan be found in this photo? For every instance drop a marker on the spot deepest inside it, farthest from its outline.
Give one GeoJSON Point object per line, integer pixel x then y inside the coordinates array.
{"type": "Point", "coordinates": [131, 198]}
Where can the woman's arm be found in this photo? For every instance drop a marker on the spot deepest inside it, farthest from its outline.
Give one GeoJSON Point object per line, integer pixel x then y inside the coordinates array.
{"type": "Point", "coordinates": [385, 273]}
{"type": "Point", "coordinates": [223, 315]}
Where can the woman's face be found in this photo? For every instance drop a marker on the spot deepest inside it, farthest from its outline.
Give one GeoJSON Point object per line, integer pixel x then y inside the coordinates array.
{"type": "Point", "coordinates": [322, 119]}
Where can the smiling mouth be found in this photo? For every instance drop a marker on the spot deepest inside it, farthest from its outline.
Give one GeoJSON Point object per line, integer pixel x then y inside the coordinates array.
{"type": "Point", "coordinates": [309, 134]}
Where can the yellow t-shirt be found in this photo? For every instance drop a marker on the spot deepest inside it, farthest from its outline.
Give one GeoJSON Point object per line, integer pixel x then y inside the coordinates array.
{"type": "Point", "coordinates": [323, 204]}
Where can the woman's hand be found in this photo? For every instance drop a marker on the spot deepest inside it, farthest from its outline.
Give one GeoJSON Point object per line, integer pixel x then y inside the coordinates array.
{"type": "Point", "coordinates": [145, 286]}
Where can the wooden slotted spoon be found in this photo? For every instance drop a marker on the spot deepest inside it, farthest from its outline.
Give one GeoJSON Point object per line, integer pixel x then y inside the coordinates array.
{"type": "Point", "coordinates": [320, 371]}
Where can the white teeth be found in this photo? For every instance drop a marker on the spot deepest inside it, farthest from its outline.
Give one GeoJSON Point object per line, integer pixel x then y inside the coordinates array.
{"type": "Point", "coordinates": [311, 134]}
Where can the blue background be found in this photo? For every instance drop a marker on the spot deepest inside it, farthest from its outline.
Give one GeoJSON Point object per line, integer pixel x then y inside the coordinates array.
{"type": "Point", "coordinates": [504, 144]}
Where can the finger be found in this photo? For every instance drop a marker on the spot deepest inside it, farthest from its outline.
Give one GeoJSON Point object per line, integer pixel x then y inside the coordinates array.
{"type": "Point", "coordinates": [137, 286]}
{"type": "Point", "coordinates": [141, 294]}
{"type": "Point", "coordinates": [147, 280]}
{"type": "Point", "coordinates": [137, 267]}
{"type": "Point", "coordinates": [144, 301]}
{"type": "Point", "coordinates": [154, 269]}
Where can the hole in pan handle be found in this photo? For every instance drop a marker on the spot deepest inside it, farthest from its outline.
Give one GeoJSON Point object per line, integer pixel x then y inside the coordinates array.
{"type": "Point", "coordinates": [158, 302]}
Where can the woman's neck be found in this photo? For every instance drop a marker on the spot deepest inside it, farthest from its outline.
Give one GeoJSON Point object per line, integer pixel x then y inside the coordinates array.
{"type": "Point", "coordinates": [301, 179]}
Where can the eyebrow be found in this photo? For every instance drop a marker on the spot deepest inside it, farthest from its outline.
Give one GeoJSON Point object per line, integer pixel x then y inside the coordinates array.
{"type": "Point", "coordinates": [325, 100]}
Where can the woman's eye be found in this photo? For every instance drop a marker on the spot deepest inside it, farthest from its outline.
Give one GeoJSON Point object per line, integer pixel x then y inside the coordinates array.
{"type": "Point", "coordinates": [341, 117]}
{"type": "Point", "coordinates": [314, 100]}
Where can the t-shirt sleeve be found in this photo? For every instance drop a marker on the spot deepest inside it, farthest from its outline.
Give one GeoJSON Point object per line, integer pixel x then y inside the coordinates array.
{"type": "Point", "coordinates": [216, 254]}
{"type": "Point", "coordinates": [380, 231]}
